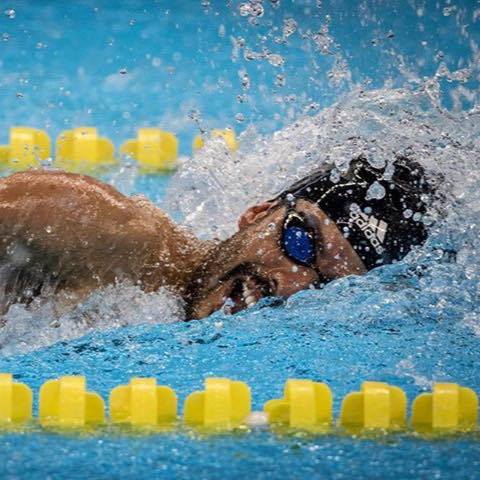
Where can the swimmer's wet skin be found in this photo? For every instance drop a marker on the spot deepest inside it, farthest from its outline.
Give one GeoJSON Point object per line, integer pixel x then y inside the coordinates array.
{"type": "Point", "coordinates": [67, 235]}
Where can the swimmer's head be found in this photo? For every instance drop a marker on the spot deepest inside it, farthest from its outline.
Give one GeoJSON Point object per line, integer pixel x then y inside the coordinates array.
{"type": "Point", "coordinates": [328, 225]}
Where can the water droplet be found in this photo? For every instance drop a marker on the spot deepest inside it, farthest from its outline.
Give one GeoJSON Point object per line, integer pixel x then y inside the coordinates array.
{"type": "Point", "coordinates": [407, 213]}
{"type": "Point", "coordinates": [257, 10]}
{"type": "Point", "coordinates": [48, 229]}
{"type": "Point", "coordinates": [245, 9]}
{"type": "Point", "coordinates": [354, 207]}
{"type": "Point", "coordinates": [289, 27]}
{"type": "Point", "coordinates": [375, 191]}
{"type": "Point", "coordinates": [240, 42]}
{"type": "Point", "coordinates": [447, 11]}
{"type": "Point", "coordinates": [249, 54]}
{"type": "Point", "coordinates": [123, 71]}
{"type": "Point", "coordinates": [10, 13]}
{"type": "Point", "coordinates": [254, 9]}
{"type": "Point", "coordinates": [275, 59]}
{"type": "Point", "coordinates": [245, 79]}
{"type": "Point", "coordinates": [239, 117]}
{"type": "Point", "coordinates": [313, 107]}
{"type": "Point", "coordinates": [280, 80]}
{"type": "Point", "coordinates": [323, 41]}
{"type": "Point", "coordinates": [156, 62]}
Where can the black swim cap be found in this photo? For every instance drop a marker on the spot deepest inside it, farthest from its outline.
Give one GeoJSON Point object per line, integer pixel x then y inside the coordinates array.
{"type": "Point", "coordinates": [378, 210]}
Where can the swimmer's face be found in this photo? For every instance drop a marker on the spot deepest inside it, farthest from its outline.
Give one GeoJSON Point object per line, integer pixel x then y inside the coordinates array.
{"type": "Point", "coordinates": [253, 264]}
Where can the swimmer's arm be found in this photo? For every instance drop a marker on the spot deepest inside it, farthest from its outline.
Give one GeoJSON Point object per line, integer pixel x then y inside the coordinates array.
{"type": "Point", "coordinates": [81, 227]}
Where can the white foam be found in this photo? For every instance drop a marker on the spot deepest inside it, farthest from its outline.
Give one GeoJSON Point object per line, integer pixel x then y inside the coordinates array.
{"type": "Point", "coordinates": [29, 328]}
{"type": "Point", "coordinates": [216, 186]}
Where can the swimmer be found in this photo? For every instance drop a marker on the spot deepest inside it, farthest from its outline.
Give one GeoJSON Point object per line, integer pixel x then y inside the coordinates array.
{"type": "Point", "coordinates": [66, 235]}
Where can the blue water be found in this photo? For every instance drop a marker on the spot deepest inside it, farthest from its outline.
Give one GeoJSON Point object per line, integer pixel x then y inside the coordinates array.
{"type": "Point", "coordinates": [61, 62]}
{"type": "Point", "coordinates": [263, 348]}
{"type": "Point", "coordinates": [404, 324]}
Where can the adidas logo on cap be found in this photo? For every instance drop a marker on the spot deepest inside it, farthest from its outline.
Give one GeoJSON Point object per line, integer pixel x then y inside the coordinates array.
{"type": "Point", "coordinates": [373, 229]}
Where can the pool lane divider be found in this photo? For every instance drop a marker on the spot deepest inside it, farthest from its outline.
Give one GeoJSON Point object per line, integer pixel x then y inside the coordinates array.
{"type": "Point", "coordinates": [377, 406]}
{"type": "Point", "coordinates": [15, 400]}
{"type": "Point", "coordinates": [83, 150]}
{"type": "Point", "coordinates": [154, 149]}
{"type": "Point", "coordinates": [305, 405]}
{"type": "Point", "coordinates": [225, 405]}
{"type": "Point", "coordinates": [67, 403]}
{"type": "Point", "coordinates": [143, 403]}
{"type": "Point", "coordinates": [26, 148]}
{"type": "Point", "coordinates": [448, 407]}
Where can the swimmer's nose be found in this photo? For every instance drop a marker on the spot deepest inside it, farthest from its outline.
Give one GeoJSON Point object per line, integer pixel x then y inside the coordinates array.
{"type": "Point", "coordinates": [289, 282]}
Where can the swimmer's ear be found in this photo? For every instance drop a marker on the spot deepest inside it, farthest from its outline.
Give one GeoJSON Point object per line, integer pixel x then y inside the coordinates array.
{"type": "Point", "coordinates": [255, 213]}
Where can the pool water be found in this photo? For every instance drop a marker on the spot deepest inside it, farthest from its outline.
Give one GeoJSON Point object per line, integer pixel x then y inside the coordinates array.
{"type": "Point", "coordinates": [351, 75]}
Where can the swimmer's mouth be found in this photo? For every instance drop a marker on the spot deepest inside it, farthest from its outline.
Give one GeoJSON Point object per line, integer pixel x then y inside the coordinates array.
{"type": "Point", "coordinates": [246, 290]}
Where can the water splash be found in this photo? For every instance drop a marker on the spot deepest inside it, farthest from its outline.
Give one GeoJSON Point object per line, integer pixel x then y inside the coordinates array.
{"type": "Point", "coordinates": [220, 185]}
{"type": "Point", "coordinates": [43, 323]}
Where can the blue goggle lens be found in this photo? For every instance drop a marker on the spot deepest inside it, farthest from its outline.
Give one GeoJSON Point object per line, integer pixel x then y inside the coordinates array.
{"type": "Point", "coordinates": [299, 244]}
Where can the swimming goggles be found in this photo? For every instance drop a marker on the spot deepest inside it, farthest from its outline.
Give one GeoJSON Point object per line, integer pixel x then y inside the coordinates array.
{"type": "Point", "coordinates": [298, 240]}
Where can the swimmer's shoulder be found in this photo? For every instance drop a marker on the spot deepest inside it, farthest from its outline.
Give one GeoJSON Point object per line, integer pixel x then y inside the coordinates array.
{"type": "Point", "coordinates": [52, 183]}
